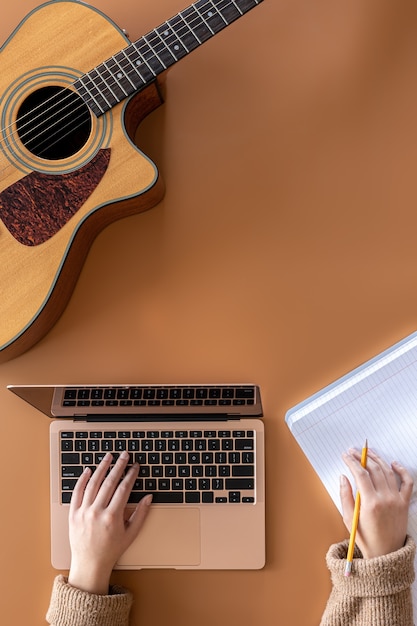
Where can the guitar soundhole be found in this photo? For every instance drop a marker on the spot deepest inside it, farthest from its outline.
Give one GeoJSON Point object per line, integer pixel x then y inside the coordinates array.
{"type": "Point", "coordinates": [53, 123]}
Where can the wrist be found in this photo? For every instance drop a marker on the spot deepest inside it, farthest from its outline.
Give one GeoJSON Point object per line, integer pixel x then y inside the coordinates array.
{"type": "Point", "coordinates": [90, 579]}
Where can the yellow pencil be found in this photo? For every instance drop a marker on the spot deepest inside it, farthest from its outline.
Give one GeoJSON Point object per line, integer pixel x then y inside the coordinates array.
{"type": "Point", "coordinates": [355, 519]}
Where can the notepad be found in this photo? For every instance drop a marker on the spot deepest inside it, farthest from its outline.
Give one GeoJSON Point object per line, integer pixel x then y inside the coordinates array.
{"type": "Point", "coordinates": [377, 401]}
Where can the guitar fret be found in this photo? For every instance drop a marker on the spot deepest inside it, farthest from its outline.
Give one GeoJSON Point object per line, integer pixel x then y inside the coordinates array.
{"type": "Point", "coordinates": [88, 95]}
{"type": "Point", "coordinates": [201, 16]}
{"type": "Point", "coordinates": [149, 60]}
{"type": "Point", "coordinates": [230, 10]}
{"type": "Point", "coordinates": [185, 33]}
{"type": "Point", "coordinates": [161, 50]}
{"type": "Point", "coordinates": [174, 44]}
{"type": "Point", "coordinates": [105, 93]}
{"type": "Point", "coordinates": [129, 66]}
{"type": "Point", "coordinates": [109, 79]}
{"type": "Point", "coordinates": [193, 20]}
{"type": "Point", "coordinates": [137, 65]}
{"type": "Point", "coordinates": [118, 77]}
{"type": "Point", "coordinates": [212, 15]}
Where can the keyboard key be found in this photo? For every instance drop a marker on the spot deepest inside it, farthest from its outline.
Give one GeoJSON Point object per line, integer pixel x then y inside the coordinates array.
{"type": "Point", "coordinates": [70, 458]}
{"type": "Point", "coordinates": [244, 444]}
{"type": "Point", "coordinates": [240, 483]}
{"type": "Point", "coordinates": [243, 470]}
{"type": "Point", "coordinates": [192, 498]}
{"type": "Point", "coordinates": [247, 457]}
{"type": "Point", "coordinates": [72, 471]}
{"type": "Point", "coordinates": [170, 497]}
{"type": "Point", "coordinates": [245, 392]}
{"type": "Point", "coordinates": [70, 394]}
{"type": "Point", "coordinates": [68, 484]}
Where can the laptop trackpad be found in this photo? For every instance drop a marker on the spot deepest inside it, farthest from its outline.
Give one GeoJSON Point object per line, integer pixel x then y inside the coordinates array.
{"type": "Point", "coordinates": [169, 538]}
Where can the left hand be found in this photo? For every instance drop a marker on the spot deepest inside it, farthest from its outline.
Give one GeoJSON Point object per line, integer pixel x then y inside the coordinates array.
{"type": "Point", "coordinates": [98, 528]}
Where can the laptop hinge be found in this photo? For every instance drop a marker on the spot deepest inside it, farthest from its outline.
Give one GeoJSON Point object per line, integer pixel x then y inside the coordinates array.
{"type": "Point", "coordinates": [209, 417]}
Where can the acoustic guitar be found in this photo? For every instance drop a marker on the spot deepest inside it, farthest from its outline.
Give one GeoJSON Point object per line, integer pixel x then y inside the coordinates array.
{"type": "Point", "coordinates": [73, 91]}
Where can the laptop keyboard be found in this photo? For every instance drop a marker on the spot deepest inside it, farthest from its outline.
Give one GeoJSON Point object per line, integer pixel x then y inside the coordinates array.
{"type": "Point", "coordinates": [151, 399]}
{"type": "Point", "coordinates": [176, 466]}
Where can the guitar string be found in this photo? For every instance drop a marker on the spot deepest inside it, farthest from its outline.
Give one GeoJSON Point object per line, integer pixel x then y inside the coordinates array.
{"type": "Point", "coordinates": [152, 37]}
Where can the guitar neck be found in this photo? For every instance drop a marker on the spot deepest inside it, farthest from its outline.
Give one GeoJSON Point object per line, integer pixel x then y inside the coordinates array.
{"type": "Point", "coordinates": [136, 66]}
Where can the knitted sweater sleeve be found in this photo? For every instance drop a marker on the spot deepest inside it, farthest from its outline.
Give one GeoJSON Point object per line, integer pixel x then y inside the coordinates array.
{"type": "Point", "coordinates": [377, 593]}
{"type": "Point", "coordinates": [71, 607]}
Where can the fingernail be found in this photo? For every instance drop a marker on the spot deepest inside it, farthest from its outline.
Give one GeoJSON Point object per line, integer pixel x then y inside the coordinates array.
{"type": "Point", "coordinates": [124, 455]}
{"type": "Point", "coordinates": [147, 500]}
{"type": "Point", "coordinates": [342, 479]}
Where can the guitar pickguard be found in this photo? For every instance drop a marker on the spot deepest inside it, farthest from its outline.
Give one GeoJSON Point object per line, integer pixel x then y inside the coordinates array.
{"type": "Point", "coordinates": [36, 207]}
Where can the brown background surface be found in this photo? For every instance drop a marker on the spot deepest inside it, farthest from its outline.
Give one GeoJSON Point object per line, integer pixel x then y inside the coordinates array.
{"type": "Point", "coordinates": [284, 253]}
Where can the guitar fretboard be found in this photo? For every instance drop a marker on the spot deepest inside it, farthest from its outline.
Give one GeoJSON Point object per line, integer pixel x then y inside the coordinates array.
{"type": "Point", "coordinates": [137, 65]}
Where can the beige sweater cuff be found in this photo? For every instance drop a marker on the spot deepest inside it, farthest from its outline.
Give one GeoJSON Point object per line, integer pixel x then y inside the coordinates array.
{"type": "Point", "coordinates": [381, 576]}
{"type": "Point", "coordinates": [79, 608]}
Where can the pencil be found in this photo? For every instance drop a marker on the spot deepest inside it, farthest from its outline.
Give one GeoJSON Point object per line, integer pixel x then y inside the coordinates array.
{"type": "Point", "coordinates": [355, 519]}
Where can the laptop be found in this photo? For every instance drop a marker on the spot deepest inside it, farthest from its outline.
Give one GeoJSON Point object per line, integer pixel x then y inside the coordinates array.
{"type": "Point", "coordinates": [201, 454]}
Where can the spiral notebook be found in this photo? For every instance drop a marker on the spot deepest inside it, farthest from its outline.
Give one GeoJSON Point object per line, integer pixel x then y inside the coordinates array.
{"type": "Point", "coordinates": [377, 401]}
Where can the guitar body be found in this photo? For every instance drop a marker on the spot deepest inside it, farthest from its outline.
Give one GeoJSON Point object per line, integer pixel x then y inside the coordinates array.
{"type": "Point", "coordinates": [54, 202]}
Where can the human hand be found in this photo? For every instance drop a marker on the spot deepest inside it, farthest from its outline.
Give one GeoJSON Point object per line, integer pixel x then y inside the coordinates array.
{"type": "Point", "coordinates": [385, 498]}
{"type": "Point", "coordinates": [100, 527]}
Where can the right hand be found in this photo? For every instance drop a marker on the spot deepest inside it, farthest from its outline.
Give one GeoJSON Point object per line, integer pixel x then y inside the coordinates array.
{"type": "Point", "coordinates": [385, 498]}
